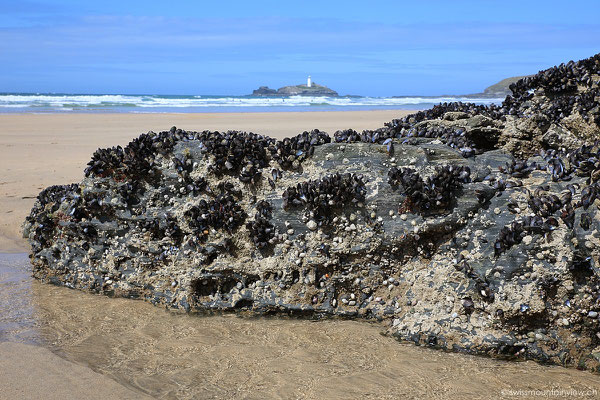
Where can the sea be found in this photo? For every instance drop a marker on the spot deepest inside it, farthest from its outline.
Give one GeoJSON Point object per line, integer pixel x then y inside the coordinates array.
{"type": "Point", "coordinates": [142, 103]}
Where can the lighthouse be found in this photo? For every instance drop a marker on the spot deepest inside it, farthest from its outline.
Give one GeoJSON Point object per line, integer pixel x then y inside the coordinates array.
{"type": "Point", "coordinates": [308, 82]}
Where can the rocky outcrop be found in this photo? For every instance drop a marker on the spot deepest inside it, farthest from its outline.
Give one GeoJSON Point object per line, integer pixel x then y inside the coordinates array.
{"type": "Point", "coordinates": [264, 91]}
{"type": "Point", "coordinates": [296, 90]}
{"type": "Point", "coordinates": [463, 227]}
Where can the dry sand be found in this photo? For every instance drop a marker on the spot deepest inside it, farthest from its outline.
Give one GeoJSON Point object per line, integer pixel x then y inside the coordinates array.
{"type": "Point", "coordinates": [39, 150]}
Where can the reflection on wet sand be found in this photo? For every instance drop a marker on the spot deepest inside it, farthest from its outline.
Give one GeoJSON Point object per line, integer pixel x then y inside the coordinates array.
{"type": "Point", "coordinates": [17, 316]}
{"type": "Point", "coordinates": [171, 355]}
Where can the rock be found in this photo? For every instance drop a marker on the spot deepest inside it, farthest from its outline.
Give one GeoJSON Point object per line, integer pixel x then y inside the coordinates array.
{"type": "Point", "coordinates": [264, 91]}
{"type": "Point", "coordinates": [455, 115]}
{"type": "Point", "coordinates": [232, 218]}
{"type": "Point", "coordinates": [296, 90]}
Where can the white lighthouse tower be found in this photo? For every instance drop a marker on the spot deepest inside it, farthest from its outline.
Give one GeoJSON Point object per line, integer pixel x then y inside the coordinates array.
{"type": "Point", "coordinates": [308, 82]}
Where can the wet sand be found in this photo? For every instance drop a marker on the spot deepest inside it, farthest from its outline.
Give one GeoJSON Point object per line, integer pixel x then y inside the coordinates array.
{"type": "Point", "coordinates": [39, 150]}
{"type": "Point", "coordinates": [174, 356]}
{"type": "Point", "coordinates": [33, 372]}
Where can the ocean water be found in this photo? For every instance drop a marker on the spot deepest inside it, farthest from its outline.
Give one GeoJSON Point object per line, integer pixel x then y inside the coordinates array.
{"type": "Point", "coordinates": [53, 103]}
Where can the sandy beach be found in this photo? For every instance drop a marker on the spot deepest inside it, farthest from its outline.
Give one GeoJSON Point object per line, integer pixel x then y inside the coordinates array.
{"type": "Point", "coordinates": [39, 150]}
{"type": "Point", "coordinates": [60, 343]}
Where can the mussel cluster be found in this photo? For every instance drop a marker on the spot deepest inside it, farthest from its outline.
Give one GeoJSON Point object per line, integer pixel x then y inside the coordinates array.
{"type": "Point", "coordinates": [323, 196]}
{"type": "Point", "coordinates": [236, 153]}
{"type": "Point", "coordinates": [240, 153]}
{"type": "Point", "coordinates": [129, 192]}
{"type": "Point", "coordinates": [226, 187]}
{"type": "Point", "coordinates": [105, 162]}
{"type": "Point", "coordinates": [587, 105]}
{"type": "Point", "coordinates": [197, 186]}
{"type": "Point", "coordinates": [589, 194]}
{"type": "Point", "coordinates": [559, 79]}
{"type": "Point", "coordinates": [545, 205]}
{"type": "Point", "coordinates": [519, 168]}
{"type": "Point", "coordinates": [43, 212]}
{"type": "Point", "coordinates": [56, 194]}
{"type": "Point", "coordinates": [481, 284]}
{"type": "Point", "coordinates": [223, 212]}
{"type": "Point", "coordinates": [96, 206]}
{"type": "Point", "coordinates": [159, 228]}
{"type": "Point", "coordinates": [262, 231]}
{"type": "Point", "coordinates": [290, 152]}
{"type": "Point", "coordinates": [582, 161]}
{"type": "Point", "coordinates": [518, 229]}
{"type": "Point", "coordinates": [585, 161]}
{"type": "Point", "coordinates": [432, 194]}
{"type": "Point", "coordinates": [560, 107]}
{"type": "Point", "coordinates": [570, 87]}
{"type": "Point", "coordinates": [135, 160]}
{"type": "Point", "coordinates": [542, 221]}
{"type": "Point", "coordinates": [246, 154]}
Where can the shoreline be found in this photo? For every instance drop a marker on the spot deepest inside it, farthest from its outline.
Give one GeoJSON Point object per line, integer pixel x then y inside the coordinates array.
{"type": "Point", "coordinates": [298, 110]}
{"type": "Point", "coordinates": [139, 103]}
{"type": "Point", "coordinates": [40, 150]}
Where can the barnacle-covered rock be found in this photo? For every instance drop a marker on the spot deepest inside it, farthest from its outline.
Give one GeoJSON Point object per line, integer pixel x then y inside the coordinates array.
{"type": "Point", "coordinates": [464, 227]}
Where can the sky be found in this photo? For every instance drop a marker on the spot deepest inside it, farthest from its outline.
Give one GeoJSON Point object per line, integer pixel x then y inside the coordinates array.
{"type": "Point", "coordinates": [372, 48]}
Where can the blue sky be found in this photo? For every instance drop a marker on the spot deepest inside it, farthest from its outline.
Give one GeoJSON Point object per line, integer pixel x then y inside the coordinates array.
{"type": "Point", "coordinates": [376, 48]}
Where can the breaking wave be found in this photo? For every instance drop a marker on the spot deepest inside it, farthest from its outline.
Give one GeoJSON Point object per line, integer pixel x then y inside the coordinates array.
{"type": "Point", "coordinates": [16, 102]}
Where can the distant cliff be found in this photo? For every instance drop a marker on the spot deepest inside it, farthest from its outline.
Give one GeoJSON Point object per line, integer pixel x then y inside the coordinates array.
{"type": "Point", "coordinates": [500, 89]}
{"type": "Point", "coordinates": [297, 90]}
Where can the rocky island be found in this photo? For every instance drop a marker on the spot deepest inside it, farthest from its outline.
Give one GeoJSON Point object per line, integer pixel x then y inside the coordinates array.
{"type": "Point", "coordinates": [310, 89]}
{"type": "Point", "coordinates": [464, 227]}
